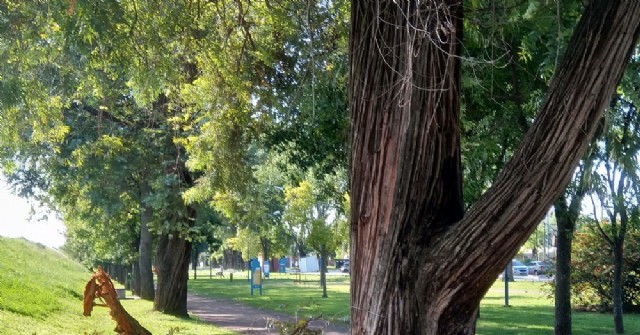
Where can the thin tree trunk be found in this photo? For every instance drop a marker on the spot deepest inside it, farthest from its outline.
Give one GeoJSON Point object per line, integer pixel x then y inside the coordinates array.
{"type": "Point", "coordinates": [323, 270]}
{"type": "Point", "coordinates": [232, 259]}
{"type": "Point", "coordinates": [135, 268]}
{"type": "Point", "coordinates": [566, 218]}
{"type": "Point", "coordinates": [264, 243]}
{"type": "Point", "coordinates": [618, 291]}
{"type": "Point", "coordinates": [194, 262]}
{"type": "Point", "coordinates": [300, 246]}
{"type": "Point", "coordinates": [145, 251]}
{"type": "Point", "coordinates": [566, 227]}
{"type": "Point", "coordinates": [173, 257]}
{"type": "Point", "coordinates": [419, 264]}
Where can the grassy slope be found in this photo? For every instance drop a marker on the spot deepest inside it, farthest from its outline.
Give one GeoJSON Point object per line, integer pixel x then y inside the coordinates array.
{"type": "Point", "coordinates": [41, 293]}
{"type": "Point", "coordinates": [531, 312]}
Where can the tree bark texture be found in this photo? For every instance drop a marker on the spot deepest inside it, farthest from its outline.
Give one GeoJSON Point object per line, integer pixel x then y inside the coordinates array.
{"type": "Point", "coordinates": [420, 265]}
{"type": "Point", "coordinates": [145, 250]}
{"type": "Point", "coordinates": [173, 257]}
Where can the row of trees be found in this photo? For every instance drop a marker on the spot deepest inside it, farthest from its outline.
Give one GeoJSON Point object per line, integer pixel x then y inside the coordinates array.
{"type": "Point", "coordinates": [151, 126]}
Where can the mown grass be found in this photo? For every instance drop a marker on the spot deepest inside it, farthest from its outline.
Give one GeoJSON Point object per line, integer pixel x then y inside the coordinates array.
{"type": "Point", "coordinates": [41, 293]}
{"type": "Point", "coordinates": [281, 294]}
{"type": "Point", "coordinates": [531, 312]}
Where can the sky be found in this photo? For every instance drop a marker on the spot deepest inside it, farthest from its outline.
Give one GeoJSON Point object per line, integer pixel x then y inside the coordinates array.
{"type": "Point", "coordinates": [16, 221]}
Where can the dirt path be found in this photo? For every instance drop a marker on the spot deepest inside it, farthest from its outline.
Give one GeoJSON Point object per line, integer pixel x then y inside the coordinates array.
{"type": "Point", "coordinates": [245, 319]}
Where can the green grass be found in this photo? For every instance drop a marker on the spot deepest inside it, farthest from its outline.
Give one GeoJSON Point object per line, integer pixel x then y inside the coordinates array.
{"type": "Point", "coordinates": [41, 293]}
{"type": "Point", "coordinates": [530, 311]}
{"type": "Point", "coordinates": [281, 294]}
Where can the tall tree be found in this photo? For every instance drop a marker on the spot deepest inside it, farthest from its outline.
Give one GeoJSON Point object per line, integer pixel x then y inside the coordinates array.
{"type": "Point", "coordinates": [567, 211]}
{"type": "Point", "coordinates": [420, 264]}
{"type": "Point", "coordinates": [618, 190]}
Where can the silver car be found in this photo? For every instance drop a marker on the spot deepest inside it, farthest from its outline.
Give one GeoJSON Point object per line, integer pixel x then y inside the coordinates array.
{"type": "Point", "coordinates": [519, 269]}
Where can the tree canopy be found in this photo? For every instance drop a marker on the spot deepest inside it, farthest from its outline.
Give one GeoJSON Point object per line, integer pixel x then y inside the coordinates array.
{"type": "Point", "coordinates": [265, 127]}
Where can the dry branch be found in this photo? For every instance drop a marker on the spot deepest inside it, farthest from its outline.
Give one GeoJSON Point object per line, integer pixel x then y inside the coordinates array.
{"type": "Point", "coordinates": [100, 286]}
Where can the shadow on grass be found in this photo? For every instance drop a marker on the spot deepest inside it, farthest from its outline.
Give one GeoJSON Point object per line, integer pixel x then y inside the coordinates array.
{"type": "Point", "coordinates": [280, 295]}
{"type": "Point", "coordinates": [520, 320]}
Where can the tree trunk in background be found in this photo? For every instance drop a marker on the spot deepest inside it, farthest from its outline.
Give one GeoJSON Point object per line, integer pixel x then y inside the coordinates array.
{"type": "Point", "coordinates": [135, 269]}
{"type": "Point", "coordinates": [419, 264]}
{"type": "Point", "coordinates": [145, 251]}
{"type": "Point", "coordinates": [566, 218]}
{"type": "Point", "coordinates": [300, 247]}
{"type": "Point", "coordinates": [232, 259]}
{"type": "Point", "coordinates": [194, 262]}
{"type": "Point", "coordinates": [566, 228]}
{"type": "Point", "coordinates": [618, 290]}
{"type": "Point", "coordinates": [173, 257]}
{"type": "Point", "coordinates": [323, 270]}
{"type": "Point", "coordinates": [265, 243]}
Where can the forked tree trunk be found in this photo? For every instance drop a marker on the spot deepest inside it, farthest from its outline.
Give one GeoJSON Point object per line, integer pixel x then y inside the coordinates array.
{"type": "Point", "coordinates": [145, 250]}
{"type": "Point", "coordinates": [173, 257]}
{"type": "Point", "coordinates": [419, 264]}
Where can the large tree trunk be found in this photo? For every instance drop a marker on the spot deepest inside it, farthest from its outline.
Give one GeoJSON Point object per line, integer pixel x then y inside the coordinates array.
{"type": "Point", "coordinates": [418, 265]}
{"type": "Point", "coordinates": [173, 256]}
{"type": "Point", "coordinates": [145, 250]}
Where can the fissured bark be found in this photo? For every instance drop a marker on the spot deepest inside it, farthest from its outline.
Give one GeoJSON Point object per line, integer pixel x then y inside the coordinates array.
{"type": "Point", "coordinates": [420, 265]}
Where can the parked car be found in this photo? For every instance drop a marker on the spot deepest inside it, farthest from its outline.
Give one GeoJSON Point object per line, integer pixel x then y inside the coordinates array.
{"type": "Point", "coordinates": [519, 269]}
{"type": "Point", "coordinates": [345, 267]}
{"type": "Point", "coordinates": [539, 267]}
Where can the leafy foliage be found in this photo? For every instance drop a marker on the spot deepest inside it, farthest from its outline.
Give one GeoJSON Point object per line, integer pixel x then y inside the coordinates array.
{"type": "Point", "coordinates": [592, 274]}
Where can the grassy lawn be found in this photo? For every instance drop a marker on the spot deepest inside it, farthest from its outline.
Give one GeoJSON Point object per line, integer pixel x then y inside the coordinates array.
{"type": "Point", "coordinates": [530, 311]}
{"type": "Point", "coordinates": [281, 294]}
{"type": "Point", "coordinates": [41, 293]}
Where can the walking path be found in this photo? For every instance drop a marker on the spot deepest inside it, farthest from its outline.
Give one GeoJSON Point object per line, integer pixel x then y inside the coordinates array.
{"type": "Point", "coordinates": [246, 319]}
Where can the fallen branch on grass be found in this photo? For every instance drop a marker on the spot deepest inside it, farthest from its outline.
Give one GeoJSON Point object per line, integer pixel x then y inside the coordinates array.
{"type": "Point", "coordinates": [295, 328]}
{"type": "Point", "coordinates": [100, 286]}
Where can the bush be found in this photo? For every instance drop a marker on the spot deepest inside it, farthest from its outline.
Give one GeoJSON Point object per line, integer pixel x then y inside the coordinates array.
{"type": "Point", "coordinates": [592, 271]}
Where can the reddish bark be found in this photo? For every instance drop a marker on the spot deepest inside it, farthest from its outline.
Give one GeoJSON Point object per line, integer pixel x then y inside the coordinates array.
{"type": "Point", "coordinates": [101, 287]}
{"type": "Point", "coordinates": [419, 264]}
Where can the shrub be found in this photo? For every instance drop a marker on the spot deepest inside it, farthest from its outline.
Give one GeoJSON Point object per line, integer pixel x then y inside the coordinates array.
{"type": "Point", "coordinates": [592, 271]}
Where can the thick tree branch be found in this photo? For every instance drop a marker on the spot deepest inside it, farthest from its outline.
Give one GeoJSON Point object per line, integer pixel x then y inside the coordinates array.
{"type": "Point", "coordinates": [539, 170]}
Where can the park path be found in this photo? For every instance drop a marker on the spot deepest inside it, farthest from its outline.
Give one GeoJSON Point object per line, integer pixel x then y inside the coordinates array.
{"type": "Point", "coordinates": [246, 319]}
